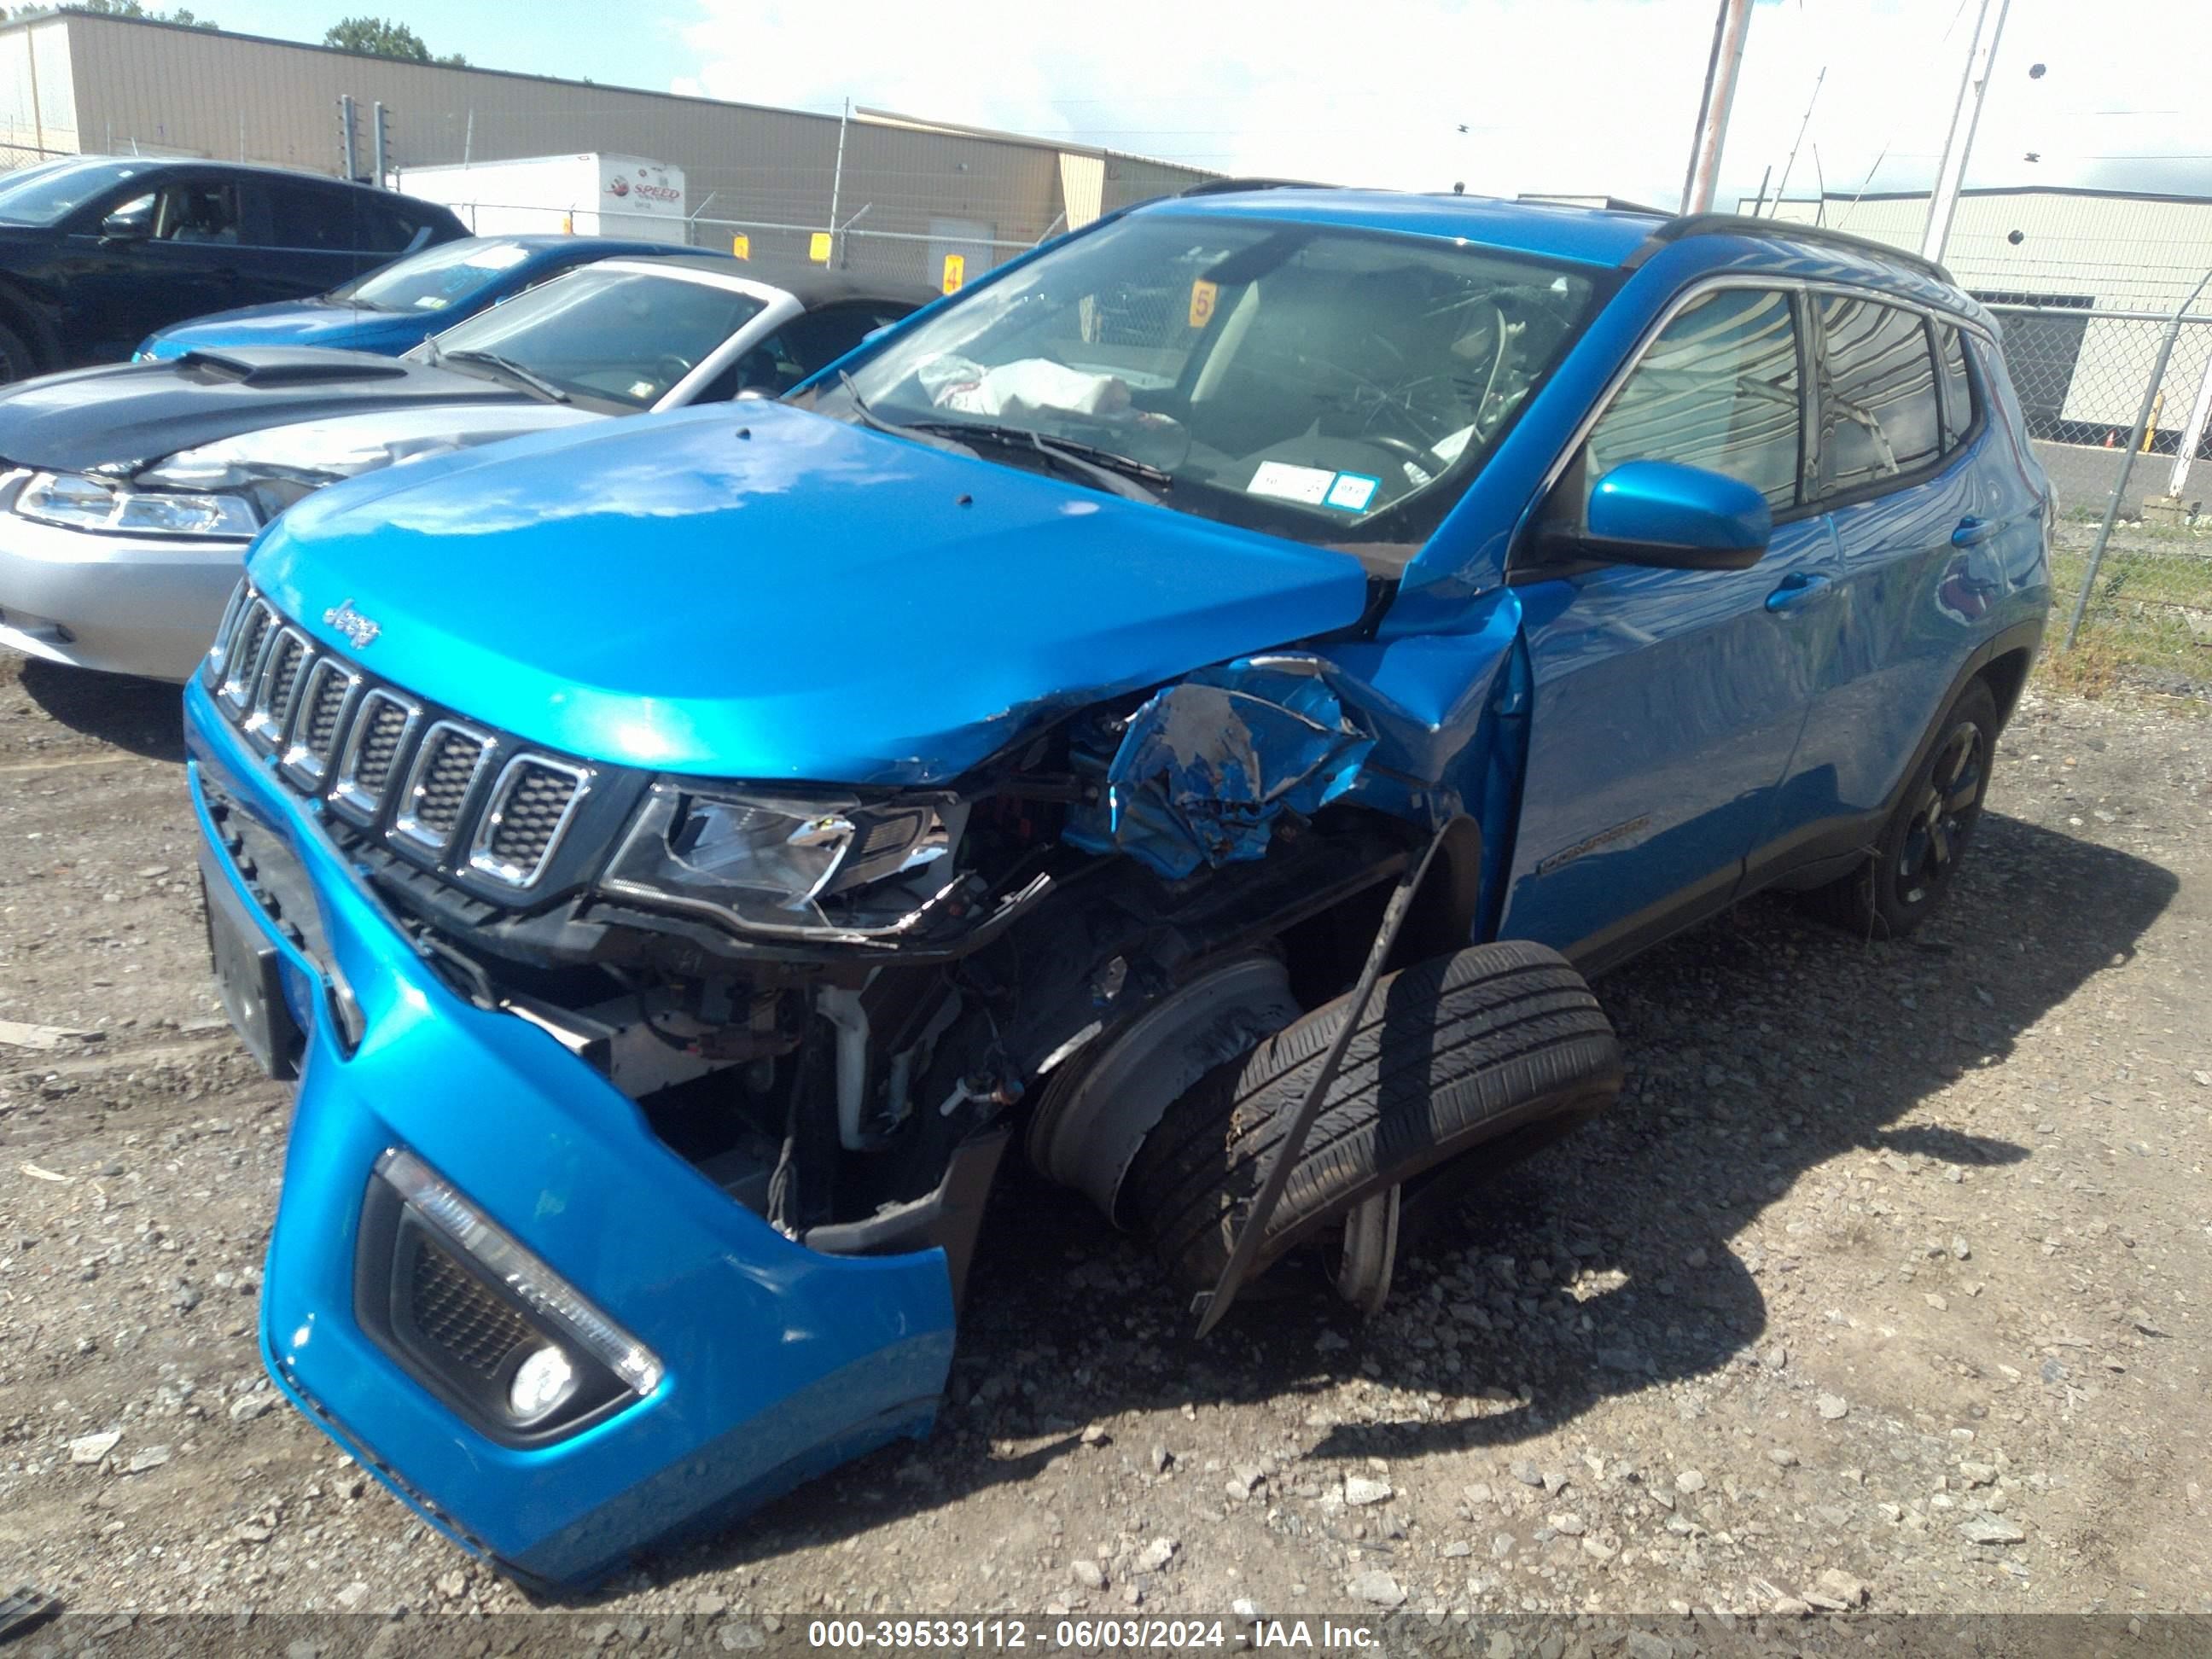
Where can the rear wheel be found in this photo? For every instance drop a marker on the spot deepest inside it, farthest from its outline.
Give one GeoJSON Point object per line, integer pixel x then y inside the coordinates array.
{"type": "Point", "coordinates": [1453, 1052]}
{"type": "Point", "coordinates": [1917, 857]}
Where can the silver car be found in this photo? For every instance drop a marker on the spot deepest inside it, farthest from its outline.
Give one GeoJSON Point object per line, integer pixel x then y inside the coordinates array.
{"type": "Point", "coordinates": [129, 493]}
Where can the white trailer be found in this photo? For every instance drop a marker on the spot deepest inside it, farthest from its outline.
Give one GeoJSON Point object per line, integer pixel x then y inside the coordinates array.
{"type": "Point", "coordinates": [588, 195]}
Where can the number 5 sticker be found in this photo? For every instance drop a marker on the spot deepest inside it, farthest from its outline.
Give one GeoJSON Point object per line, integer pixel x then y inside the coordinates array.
{"type": "Point", "coordinates": [1202, 294]}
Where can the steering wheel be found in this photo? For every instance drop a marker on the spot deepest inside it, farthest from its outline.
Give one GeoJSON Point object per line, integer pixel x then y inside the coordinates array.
{"type": "Point", "coordinates": [1424, 460]}
{"type": "Point", "coordinates": [668, 368]}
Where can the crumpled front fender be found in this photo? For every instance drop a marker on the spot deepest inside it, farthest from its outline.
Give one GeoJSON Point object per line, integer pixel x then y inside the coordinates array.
{"type": "Point", "coordinates": [779, 1361]}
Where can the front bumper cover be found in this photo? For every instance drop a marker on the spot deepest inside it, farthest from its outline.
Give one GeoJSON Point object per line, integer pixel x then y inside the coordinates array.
{"type": "Point", "coordinates": [130, 604]}
{"type": "Point", "coordinates": [780, 1362]}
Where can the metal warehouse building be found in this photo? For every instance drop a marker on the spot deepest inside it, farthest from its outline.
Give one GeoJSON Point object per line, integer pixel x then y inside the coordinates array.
{"type": "Point", "coordinates": [2082, 281]}
{"type": "Point", "coordinates": [910, 192]}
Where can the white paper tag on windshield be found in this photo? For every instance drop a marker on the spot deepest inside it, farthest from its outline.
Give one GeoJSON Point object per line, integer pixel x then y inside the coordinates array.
{"type": "Point", "coordinates": [1281, 479]}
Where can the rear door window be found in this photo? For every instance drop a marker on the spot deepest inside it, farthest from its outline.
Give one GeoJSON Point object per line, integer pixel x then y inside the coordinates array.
{"type": "Point", "coordinates": [1957, 392]}
{"type": "Point", "coordinates": [308, 216]}
{"type": "Point", "coordinates": [1719, 388]}
{"type": "Point", "coordinates": [1880, 412]}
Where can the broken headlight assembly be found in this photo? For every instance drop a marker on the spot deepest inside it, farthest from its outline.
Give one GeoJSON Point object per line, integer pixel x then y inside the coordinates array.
{"type": "Point", "coordinates": [812, 866]}
{"type": "Point", "coordinates": [79, 503]}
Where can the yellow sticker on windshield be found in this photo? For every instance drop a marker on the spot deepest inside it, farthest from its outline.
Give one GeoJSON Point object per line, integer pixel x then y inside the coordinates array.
{"type": "Point", "coordinates": [1202, 295]}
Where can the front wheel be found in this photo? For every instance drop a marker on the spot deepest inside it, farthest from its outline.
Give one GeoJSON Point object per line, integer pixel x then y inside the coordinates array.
{"type": "Point", "coordinates": [1917, 858]}
{"type": "Point", "coordinates": [1453, 1052]}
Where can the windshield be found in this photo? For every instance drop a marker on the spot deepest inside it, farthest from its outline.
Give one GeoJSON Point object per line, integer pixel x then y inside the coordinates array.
{"type": "Point", "coordinates": [1331, 385]}
{"type": "Point", "coordinates": [622, 336]}
{"type": "Point", "coordinates": [43, 195]}
{"type": "Point", "coordinates": [433, 280]}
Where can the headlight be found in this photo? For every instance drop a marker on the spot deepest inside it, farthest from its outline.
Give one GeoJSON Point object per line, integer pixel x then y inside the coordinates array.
{"type": "Point", "coordinates": [768, 863]}
{"type": "Point", "coordinates": [83, 503]}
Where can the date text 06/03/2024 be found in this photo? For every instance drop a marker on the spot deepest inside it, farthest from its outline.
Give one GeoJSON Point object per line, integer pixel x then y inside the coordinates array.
{"type": "Point", "coordinates": [1087, 1635]}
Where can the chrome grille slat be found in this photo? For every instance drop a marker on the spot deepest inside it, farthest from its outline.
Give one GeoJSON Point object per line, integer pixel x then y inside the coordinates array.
{"type": "Point", "coordinates": [257, 625]}
{"type": "Point", "coordinates": [444, 769]}
{"type": "Point", "coordinates": [383, 720]}
{"type": "Point", "coordinates": [317, 716]}
{"type": "Point", "coordinates": [529, 810]}
{"type": "Point", "coordinates": [285, 659]}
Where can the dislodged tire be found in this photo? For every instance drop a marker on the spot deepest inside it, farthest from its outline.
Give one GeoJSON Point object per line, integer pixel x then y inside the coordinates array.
{"type": "Point", "coordinates": [1917, 858]}
{"type": "Point", "coordinates": [1453, 1052]}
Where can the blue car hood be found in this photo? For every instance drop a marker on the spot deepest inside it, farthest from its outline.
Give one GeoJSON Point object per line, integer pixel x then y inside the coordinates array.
{"type": "Point", "coordinates": [297, 323]}
{"type": "Point", "coordinates": [752, 591]}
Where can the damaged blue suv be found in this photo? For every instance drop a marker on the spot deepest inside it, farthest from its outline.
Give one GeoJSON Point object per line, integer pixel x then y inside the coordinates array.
{"type": "Point", "coordinates": [1189, 711]}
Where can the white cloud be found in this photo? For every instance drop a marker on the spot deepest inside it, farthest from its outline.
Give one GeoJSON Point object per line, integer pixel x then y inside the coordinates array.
{"type": "Point", "coordinates": [1569, 95]}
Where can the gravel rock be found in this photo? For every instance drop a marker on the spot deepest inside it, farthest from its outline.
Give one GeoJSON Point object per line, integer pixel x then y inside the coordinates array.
{"type": "Point", "coordinates": [1833, 1407]}
{"type": "Point", "coordinates": [1842, 1586]}
{"type": "Point", "coordinates": [1689, 1481]}
{"type": "Point", "coordinates": [91, 1448]}
{"type": "Point", "coordinates": [1157, 1554]}
{"type": "Point", "coordinates": [1992, 1529]}
{"type": "Point", "coordinates": [1089, 1574]}
{"type": "Point", "coordinates": [151, 1458]}
{"type": "Point", "coordinates": [1378, 1587]}
{"type": "Point", "coordinates": [1526, 1472]}
{"type": "Point", "coordinates": [1359, 1491]}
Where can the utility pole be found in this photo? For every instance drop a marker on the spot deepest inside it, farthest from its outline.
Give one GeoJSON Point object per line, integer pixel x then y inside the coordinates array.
{"type": "Point", "coordinates": [383, 147]}
{"type": "Point", "coordinates": [1959, 143]}
{"type": "Point", "coordinates": [1730, 27]}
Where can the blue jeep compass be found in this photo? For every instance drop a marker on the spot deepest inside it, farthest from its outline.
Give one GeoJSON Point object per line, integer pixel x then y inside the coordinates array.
{"type": "Point", "coordinates": [1189, 711]}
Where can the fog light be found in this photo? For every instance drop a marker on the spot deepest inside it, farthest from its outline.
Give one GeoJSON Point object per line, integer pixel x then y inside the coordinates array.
{"type": "Point", "coordinates": [541, 1382]}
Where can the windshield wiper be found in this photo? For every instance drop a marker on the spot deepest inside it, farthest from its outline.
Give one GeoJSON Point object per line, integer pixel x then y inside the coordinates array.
{"type": "Point", "coordinates": [875, 423]}
{"type": "Point", "coordinates": [506, 366]}
{"type": "Point", "coordinates": [1117, 474]}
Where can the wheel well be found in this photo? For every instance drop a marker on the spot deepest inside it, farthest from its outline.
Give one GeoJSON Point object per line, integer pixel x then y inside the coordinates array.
{"type": "Point", "coordinates": [1325, 951]}
{"type": "Point", "coordinates": [2007, 677]}
{"type": "Point", "coordinates": [23, 321]}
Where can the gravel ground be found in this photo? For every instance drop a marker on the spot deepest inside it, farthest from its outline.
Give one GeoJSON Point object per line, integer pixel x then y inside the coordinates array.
{"type": "Point", "coordinates": [1884, 1286]}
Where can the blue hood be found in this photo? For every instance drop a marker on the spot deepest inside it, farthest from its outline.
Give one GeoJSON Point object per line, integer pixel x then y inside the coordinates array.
{"type": "Point", "coordinates": [303, 322]}
{"type": "Point", "coordinates": [751, 591]}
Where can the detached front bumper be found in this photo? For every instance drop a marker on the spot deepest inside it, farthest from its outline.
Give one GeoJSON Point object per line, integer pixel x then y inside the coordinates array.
{"type": "Point", "coordinates": [777, 1362]}
{"type": "Point", "coordinates": [130, 604]}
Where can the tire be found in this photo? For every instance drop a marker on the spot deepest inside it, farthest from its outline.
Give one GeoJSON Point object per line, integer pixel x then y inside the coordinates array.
{"type": "Point", "coordinates": [1453, 1052]}
{"type": "Point", "coordinates": [1918, 855]}
{"type": "Point", "coordinates": [17, 361]}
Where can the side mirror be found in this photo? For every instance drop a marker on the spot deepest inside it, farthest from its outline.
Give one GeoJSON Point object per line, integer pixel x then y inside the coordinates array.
{"type": "Point", "coordinates": [1676, 517]}
{"type": "Point", "coordinates": [125, 227]}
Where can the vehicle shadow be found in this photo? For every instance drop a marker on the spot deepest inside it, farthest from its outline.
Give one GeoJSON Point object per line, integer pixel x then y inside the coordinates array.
{"type": "Point", "coordinates": [145, 717]}
{"type": "Point", "coordinates": [1759, 1048]}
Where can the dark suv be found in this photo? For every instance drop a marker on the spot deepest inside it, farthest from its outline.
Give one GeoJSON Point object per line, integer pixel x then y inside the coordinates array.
{"type": "Point", "coordinates": [97, 251]}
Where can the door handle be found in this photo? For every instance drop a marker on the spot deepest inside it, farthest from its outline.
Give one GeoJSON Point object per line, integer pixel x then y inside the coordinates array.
{"type": "Point", "coordinates": [1972, 529]}
{"type": "Point", "coordinates": [1796, 588]}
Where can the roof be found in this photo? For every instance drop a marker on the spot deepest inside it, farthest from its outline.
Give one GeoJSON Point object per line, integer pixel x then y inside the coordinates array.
{"type": "Point", "coordinates": [1614, 237]}
{"type": "Point", "coordinates": [810, 284]}
{"type": "Point", "coordinates": [1588, 236]}
{"type": "Point", "coordinates": [206, 163]}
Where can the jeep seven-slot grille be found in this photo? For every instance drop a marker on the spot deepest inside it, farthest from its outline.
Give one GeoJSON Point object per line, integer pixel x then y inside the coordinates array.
{"type": "Point", "coordinates": [437, 786]}
{"type": "Point", "coordinates": [452, 1311]}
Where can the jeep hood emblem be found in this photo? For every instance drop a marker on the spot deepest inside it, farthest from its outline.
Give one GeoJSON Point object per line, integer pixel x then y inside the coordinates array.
{"type": "Point", "coordinates": [351, 623]}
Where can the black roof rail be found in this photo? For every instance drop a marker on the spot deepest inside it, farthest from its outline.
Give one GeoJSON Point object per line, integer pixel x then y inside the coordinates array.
{"type": "Point", "coordinates": [1225, 186]}
{"type": "Point", "coordinates": [1784, 230]}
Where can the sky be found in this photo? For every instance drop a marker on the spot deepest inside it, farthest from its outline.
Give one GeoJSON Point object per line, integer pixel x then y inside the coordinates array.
{"type": "Point", "coordinates": [1572, 96]}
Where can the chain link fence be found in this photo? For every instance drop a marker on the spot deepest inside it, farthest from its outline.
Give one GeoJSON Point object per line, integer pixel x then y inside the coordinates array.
{"type": "Point", "coordinates": [2116, 403]}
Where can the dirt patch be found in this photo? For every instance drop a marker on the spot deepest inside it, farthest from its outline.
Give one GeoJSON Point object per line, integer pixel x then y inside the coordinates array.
{"type": "Point", "coordinates": [1889, 1266]}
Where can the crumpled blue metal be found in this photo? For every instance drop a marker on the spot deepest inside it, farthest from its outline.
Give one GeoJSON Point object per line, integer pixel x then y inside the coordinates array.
{"type": "Point", "coordinates": [1208, 764]}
